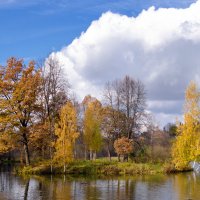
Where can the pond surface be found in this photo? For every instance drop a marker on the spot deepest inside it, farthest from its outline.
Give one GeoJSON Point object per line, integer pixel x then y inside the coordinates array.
{"type": "Point", "coordinates": [155, 187]}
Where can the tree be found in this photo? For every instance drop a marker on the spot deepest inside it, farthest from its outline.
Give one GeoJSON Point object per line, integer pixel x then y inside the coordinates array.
{"type": "Point", "coordinates": [92, 127]}
{"type": "Point", "coordinates": [40, 139]}
{"type": "Point", "coordinates": [171, 129]}
{"type": "Point", "coordinates": [19, 87]}
{"type": "Point", "coordinates": [7, 142]}
{"type": "Point", "coordinates": [123, 146]}
{"type": "Point", "coordinates": [186, 147]}
{"type": "Point", "coordinates": [53, 96]}
{"type": "Point", "coordinates": [66, 132]}
{"type": "Point", "coordinates": [127, 96]}
{"type": "Point", "coordinates": [111, 121]}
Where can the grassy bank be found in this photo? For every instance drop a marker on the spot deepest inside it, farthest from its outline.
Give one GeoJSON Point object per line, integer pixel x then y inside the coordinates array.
{"type": "Point", "coordinates": [99, 167]}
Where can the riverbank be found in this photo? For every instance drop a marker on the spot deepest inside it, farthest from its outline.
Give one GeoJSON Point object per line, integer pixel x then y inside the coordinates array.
{"type": "Point", "coordinates": [99, 167]}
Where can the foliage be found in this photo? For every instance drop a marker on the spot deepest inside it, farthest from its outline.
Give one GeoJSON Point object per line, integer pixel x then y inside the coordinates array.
{"type": "Point", "coordinates": [98, 167]}
{"type": "Point", "coordinates": [92, 126]}
{"type": "Point", "coordinates": [187, 145]}
{"type": "Point", "coordinates": [123, 146]}
{"type": "Point", "coordinates": [19, 87]}
{"type": "Point", "coordinates": [173, 130]}
{"type": "Point", "coordinates": [54, 95]}
{"type": "Point", "coordinates": [7, 142]}
{"type": "Point", "coordinates": [40, 140]}
{"type": "Point", "coordinates": [66, 132]}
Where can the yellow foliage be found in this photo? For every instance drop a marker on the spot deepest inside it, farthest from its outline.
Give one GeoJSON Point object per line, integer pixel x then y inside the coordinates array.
{"type": "Point", "coordinates": [19, 88]}
{"type": "Point", "coordinates": [92, 126]}
{"type": "Point", "coordinates": [6, 142]}
{"type": "Point", "coordinates": [186, 148]}
{"type": "Point", "coordinates": [66, 132]}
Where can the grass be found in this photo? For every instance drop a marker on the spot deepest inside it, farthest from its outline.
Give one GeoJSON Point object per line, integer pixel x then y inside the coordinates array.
{"type": "Point", "coordinates": [97, 167]}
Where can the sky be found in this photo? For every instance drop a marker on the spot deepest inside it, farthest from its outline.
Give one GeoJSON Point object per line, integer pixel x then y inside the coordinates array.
{"type": "Point", "coordinates": [155, 41]}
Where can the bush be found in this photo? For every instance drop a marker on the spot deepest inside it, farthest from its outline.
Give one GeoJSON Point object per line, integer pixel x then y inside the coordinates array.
{"type": "Point", "coordinates": [123, 146]}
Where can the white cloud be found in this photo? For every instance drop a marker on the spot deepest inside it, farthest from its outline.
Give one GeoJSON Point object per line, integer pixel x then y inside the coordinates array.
{"type": "Point", "coordinates": [160, 47]}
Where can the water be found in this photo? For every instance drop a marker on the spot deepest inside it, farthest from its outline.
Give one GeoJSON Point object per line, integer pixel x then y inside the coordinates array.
{"type": "Point", "coordinates": [155, 187]}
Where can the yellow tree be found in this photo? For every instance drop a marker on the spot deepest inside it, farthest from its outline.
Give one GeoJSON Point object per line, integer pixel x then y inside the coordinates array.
{"type": "Point", "coordinates": [19, 87]}
{"type": "Point", "coordinates": [92, 127]}
{"type": "Point", "coordinates": [66, 132]}
{"type": "Point", "coordinates": [187, 144]}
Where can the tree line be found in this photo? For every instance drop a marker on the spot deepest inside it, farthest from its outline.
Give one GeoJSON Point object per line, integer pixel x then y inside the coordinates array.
{"type": "Point", "coordinates": [40, 119]}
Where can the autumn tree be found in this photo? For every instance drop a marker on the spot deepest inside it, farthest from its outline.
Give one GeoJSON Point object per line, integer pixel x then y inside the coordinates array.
{"type": "Point", "coordinates": [53, 96]}
{"type": "Point", "coordinates": [112, 120]}
{"type": "Point", "coordinates": [123, 146]}
{"type": "Point", "coordinates": [187, 144]}
{"type": "Point", "coordinates": [19, 87]}
{"type": "Point", "coordinates": [66, 132]}
{"type": "Point", "coordinates": [92, 127]}
{"type": "Point", "coordinates": [7, 142]}
{"type": "Point", "coordinates": [40, 139]}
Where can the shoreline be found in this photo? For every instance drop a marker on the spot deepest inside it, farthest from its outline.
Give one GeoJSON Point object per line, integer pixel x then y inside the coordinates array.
{"type": "Point", "coordinates": [97, 167]}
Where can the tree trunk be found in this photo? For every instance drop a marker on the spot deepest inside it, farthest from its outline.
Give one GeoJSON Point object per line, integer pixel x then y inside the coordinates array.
{"type": "Point", "coordinates": [26, 190]}
{"type": "Point", "coordinates": [21, 156]}
{"type": "Point", "coordinates": [91, 155]}
{"type": "Point", "coordinates": [94, 155]}
{"type": "Point", "coordinates": [25, 146]}
{"type": "Point", "coordinates": [26, 153]}
{"type": "Point", "coordinates": [118, 157]}
{"type": "Point", "coordinates": [51, 159]}
{"type": "Point", "coordinates": [64, 168]}
{"type": "Point", "coordinates": [108, 151]}
{"type": "Point", "coordinates": [86, 153]}
{"type": "Point", "coordinates": [125, 157]}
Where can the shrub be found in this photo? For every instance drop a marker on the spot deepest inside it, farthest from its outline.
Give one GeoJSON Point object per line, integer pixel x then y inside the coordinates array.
{"type": "Point", "coordinates": [123, 146]}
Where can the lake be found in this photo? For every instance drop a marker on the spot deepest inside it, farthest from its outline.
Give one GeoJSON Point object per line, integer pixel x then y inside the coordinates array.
{"type": "Point", "coordinates": [183, 186]}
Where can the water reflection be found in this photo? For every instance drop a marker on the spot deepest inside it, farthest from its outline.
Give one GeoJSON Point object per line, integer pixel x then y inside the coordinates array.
{"type": "Point", "coordinates": [156, 187]}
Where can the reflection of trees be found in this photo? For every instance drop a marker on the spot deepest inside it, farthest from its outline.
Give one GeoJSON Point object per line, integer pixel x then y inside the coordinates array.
{"type": "Point", "coordinates": [26, 189]}
{"type": "Point", "coordinates": [63, 190]}
{"type": "Point", "coordinates": [91, 190]}
{"type": "Point", "coordinates": [55, 187]}
{"type": "Point", "coordinates": [187, 185]}
{"type": "Point", "coordinates": [125, 189]}
{"type": "Point", "coordinates": [179, 186]}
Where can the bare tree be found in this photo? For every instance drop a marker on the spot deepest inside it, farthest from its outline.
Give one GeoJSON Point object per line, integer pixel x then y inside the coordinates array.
{"type": "Point", "coordinates": [126, 96]}
{"type": "Point", "coordinates": [132, 99]}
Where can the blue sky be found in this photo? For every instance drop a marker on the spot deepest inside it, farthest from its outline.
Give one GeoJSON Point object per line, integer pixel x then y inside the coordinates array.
{"type": "Point", "coordinates": [160, 47]}
{"type": "Point", "coordinates": [33, 29]}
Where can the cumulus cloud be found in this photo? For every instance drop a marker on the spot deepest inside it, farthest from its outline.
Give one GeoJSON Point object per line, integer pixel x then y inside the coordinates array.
{"type": "Point", "coordinates": [160, 47]}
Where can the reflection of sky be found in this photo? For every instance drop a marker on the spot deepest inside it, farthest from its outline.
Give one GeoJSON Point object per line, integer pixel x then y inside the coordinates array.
{"type": "Point", "coordinates": [165, 191]}
{"type": "Point", "coordinates": [155, 187]}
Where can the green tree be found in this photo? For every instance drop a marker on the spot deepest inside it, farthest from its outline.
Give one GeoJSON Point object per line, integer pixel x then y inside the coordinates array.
{"type": "Point", "coordinates": [187, 144]}
{"type": "Point", "coordinates": [66, 132]}
{"type": "Point", "coordinates": [19, 88]}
